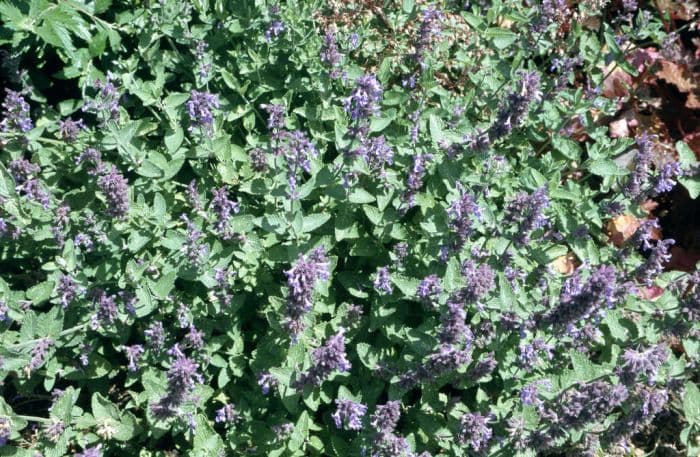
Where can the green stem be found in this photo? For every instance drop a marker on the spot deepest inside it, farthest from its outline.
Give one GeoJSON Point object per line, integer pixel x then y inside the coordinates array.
{"type": "Point", "coordinates": [43, 140]}
{"type": "Point", "coordinates": [44, 420]}
{"type": "Point", "coordinates": [35, 341]}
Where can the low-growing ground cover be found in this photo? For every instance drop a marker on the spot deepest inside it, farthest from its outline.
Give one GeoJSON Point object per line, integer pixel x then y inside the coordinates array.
{"type": "Point", "coordinates": [354, 228]}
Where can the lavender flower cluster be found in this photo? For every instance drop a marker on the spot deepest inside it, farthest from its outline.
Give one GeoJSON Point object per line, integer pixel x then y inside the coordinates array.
{"type": "Point", "coordinates": [302, 279]}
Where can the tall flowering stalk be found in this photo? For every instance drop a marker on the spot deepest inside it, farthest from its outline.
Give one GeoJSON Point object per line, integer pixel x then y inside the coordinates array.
{"type": "Point", "coordinates": [326, 359]}
{"type": "Point", "coordinates": [430, 30]}
{"type": "Point", "coordinates": [414, 181]}
{"type": "Point", "coordinates": [349, 414]}
{"type": "Point", "coordinates": [576, 407]}
{"type": "Point", "coordinates": [301, 280]}
{"type": "Point", "coordinates": [386, 443]}
{"type": "Point", "coordinates": [382, 281]}
{"type": "Point", "coordinates": [183, 376]}
{"type": "Point", "coordinates": [276, 26]}
{"type": "Point", "coordinates": [200, 108]}
{"type": "Point", "coordinates": [444, 361]}
{"type": "Point", "coordinates": [106, 101]}
{"type": "Point", "coordinates": [653, 266]}
{"type": "Point", "coordinates": [474, 431]}
{"type": "Point", "coordinates": [642, 162]}
{"type": "Point", "coordinates": [295, 146]}
{"type": "Point", "coordinates": [330, 55]}
{"type": "Point", "coordinates": [115, 188]}
{"type": "Point", "coordinates": [584, 301]}
{"type": "Point", "coordinates": [15, 113]}
{"type": "Point", "coordinates": [462, 212]}
{"type": "Point", "coordinates": [511, 113]}
{"type": "Point", "coordinates": [645, 363]}
{"type": "Point", "coordinates": [528, 212]}
{"type": "Point", "coordinates": [25, 175]}
{"type": "Point", "coordinates": [363, 102]}
{"type": "Point", "coordinates": [223, 208]}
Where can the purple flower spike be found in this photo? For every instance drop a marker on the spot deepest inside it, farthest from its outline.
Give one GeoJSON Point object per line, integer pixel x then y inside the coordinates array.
{"type": "Point", "coordinates": [276, 26]}
{"type": "Point", "coordinates": [386, 416]}
{"type": "Point", "coordinates": [587, 301]}
{"type": "Point", "coordinates": [115, 188]}
{"type": "Point", "coordinates": [276, 116]}
{"type": "Point", "coordinates": [444, 361]}
{"type": "Point", "coordinates": [429, 289]}
{"type": "Point", "coordinates": [223, 208]}
{"type": "Point", "coordinates": [183, 375]}
{"type": "Point", "coordinates": [15, 113]}
{"type": "Point", "coordinates": [530, 353]}
{"type": "Point", "coordinates": [640, 175]}
{"type": "Point", "coordinates": [668, 177]}
{"type": "Point", "coordinates": [39, 353]}
{"type": "Point", "coordinates": [430, 30]}
{"type": "Point", "coordinates": [301, 280]}
{"type": "Point", "coordinates": [517, 104]}
{"type": "Point", "coordinates": [475, 431]}
{"type": "Point", "coordinates": [348, 414]}
{"type": "Point", "coordinates": [527, 210]}
{"type": "Point", "coordinates": [330, 56]}
{"type": "Point", "coordinates": [106, 101]}
{"type": "Point", "coordinates": [133, 353]}
{"type": "Point", "coordinates": [654, 264]}
{"type": "Point", "coordinates": [414, 181]}
{"type": "Point", "coordinates": [155, 335]}
{"type": "Point", "coordinates": [266, 381]}
{"type": "Point", "coordinates": [453, 329]}
{"type": "Point", "coordinates": [382, 281]}
{"type": "Point", "coordinates": [69, 129]}
{"type": "Point", "coordinates": [327, 358]}
{"type": "Point", "coordinates": [226, 415]}
{"type": "Point", "coordinates": [95, 451]}
{"type": "Point", "coordinates": [363, 102]}
{"type": "Point", "coordinates": [67, 290]}
{"type": "Point", "coordinates": [5, 430]}
{"type": "Point", "coordinates": [199, 108]}
{"type": "Point", "coordinates": [642, 363]}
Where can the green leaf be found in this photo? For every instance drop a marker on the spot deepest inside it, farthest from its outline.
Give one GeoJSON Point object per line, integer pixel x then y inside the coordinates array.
{"type": "Point", "coordinates": [164, 285]}
{"type": "Point", "coordinates": [379, 123]}
{"type": "Point", "coordinates": [502, 38]}
{"type": "Point", "coordinates": [314, 221]}
{"type": "Point", "coordinates": [452, 280]}
{"type": "Point", "coordinates": [206, 441]}
{"type": "Point", "coordinates": [605, 167]}
{"type": "Point", "coordinates": [144, 305]}
{"type": "Point", "coordinates": [687, 159]}
{"type": "Point", "coordinates": [11, 15]}
{"type": "Point", "coordinates": [406, 285]}
{"type": "Point", "coordinates": [173, 140]}
{"type": "Point", "coordinates": [585, 369]}
{"type": "Point", "coordinates": [103, 408]}
{"type": "Point", "coordinates": [686, 155]}
{"type": "Point", "coordinates": [507, 297]}
{"type": "Point", "coordinates": [41, 292]}
{"type": "Point", "coordinates": [617, 330]}
{"type": "Point", "coordinates": [300, 433]}
{"type": "Point", "coordinates": [7, 184]}
{"type": "Point", "coordinates": [63, 406]}
{"type": "Point", "coordinates": [360, 195]}
{"type": "Point", "coordinates": [568, 147]}
{"type": "Point", "coordinates": [691, 403]}
{"type": "Point", "coordinates": [176, 99]}
{"type": "Point", "coordinates": [436, 128]}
